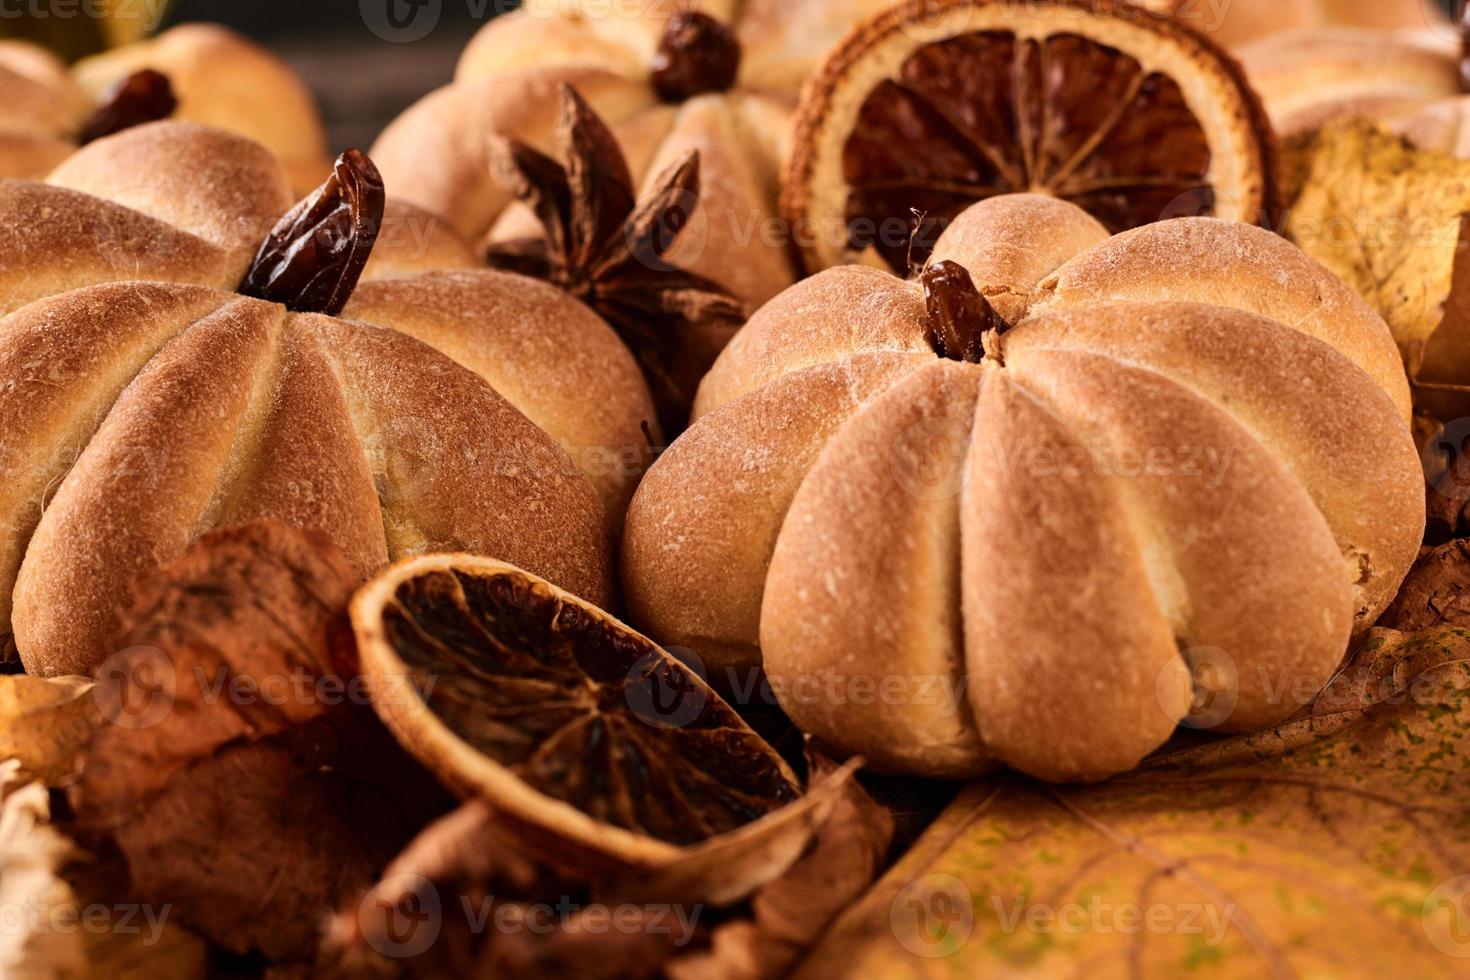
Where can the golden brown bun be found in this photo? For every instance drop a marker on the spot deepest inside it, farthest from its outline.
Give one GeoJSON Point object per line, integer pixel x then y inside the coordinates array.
{"type": "Point", "coordinates": [233, 410]}
{"type": "Point", "coordinates": [1034, 556]}
{"type": "Point", "coordinates": [1264, 274]}
{"type": "Point", "coordinates": [222, 79]}
{"type": "Point", "coordinates": [169, 202]}
{"type": "Point", "coordinates": [551, 356]}
{"type": "Point", "coordinates": [41, 111]}
{"type": "Point", "coordinates": [437, 154]}
{"type": "Point", "coordinates": [1307, 78]}
{"type": "Point", "coordinates": [40, 97]}
{"type": "Point", "coordinates": [500, 417]}
{"type": "Point", "coordinates": [413, 240]}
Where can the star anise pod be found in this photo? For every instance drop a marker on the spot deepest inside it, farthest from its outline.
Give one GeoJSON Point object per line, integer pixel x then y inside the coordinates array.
{"type": "Point", "coordinates": [610, 250]}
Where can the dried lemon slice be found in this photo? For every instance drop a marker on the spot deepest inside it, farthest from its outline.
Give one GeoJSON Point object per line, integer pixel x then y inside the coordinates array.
{"type": "Point", "coordinates": [939, 103]}
{"type": "Point", "coordinates": [596, 746]}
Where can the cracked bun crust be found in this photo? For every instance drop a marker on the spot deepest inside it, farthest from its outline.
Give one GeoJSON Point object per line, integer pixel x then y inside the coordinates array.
{"type": "Point", "coordinates": [1189, 459]}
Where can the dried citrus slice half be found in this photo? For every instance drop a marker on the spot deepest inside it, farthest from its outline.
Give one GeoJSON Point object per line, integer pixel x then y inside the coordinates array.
{"type": "Point", "coordinates": [936, 104]}
{"type": "Point", "coordinates": [595, 746]}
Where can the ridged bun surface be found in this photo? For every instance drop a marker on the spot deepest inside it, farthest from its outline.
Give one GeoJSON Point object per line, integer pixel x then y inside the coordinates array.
{"type": "Point", "coordinates": [1188, 459]}
{"type": "Point", "coordinates": [145, 402]}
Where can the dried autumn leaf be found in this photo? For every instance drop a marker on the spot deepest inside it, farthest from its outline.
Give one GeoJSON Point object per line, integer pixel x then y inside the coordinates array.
{"type": "Point", "coordinates": [1445, 453]}
{"type": "Point", "coordinates": [44, 875]}
{"type": "Point", "coordinates": [1333, 845]}
{"type": "Point", "coordinates": [1390, 220]}
{"type": "Point", "coordinates": [1437, 591]}
{"type": "Point", "coordinates": [43, 721]}
{"type": "Point", "coordinates": [230, 761]}
{"type": "Point", "coordinates": [465, 900]}
{"type": "Point", "coordinates": [790, 914]}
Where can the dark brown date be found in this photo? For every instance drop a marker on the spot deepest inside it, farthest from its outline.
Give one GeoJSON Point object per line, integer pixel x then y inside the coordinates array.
{"type": "Point", "coordinates": [698, 54]}
{"type": "Point", "coordinates": [143, 97]}
{"type": "Point", "coordinates": [959, 317]}
{"type": "Point", "coordinates": [312, 259]}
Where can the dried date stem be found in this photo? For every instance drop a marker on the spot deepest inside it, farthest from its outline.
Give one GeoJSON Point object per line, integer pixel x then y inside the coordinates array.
{"type": "Point", "coordinates": [143, 97]}
{"type": "Point", "coordinates": [959, 316]}
{"type": "Point", "coordinates": [312, 259]}
{"type": "Point", "coordinates": [697, 54]}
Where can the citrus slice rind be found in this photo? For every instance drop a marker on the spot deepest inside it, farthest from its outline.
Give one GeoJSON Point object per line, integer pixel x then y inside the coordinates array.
{"type": "Point", "coordinates": [596, 747]}
{"type": "Point", "coordinates": [939, 103]}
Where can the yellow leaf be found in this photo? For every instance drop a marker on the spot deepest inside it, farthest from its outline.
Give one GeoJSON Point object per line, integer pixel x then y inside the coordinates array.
{"type": "Point", "coordinates": [42, 723]}
{"type": "Point", "coordinates": [1334, 845]}
{"type": "Point", "coordinates": [1390, 220]}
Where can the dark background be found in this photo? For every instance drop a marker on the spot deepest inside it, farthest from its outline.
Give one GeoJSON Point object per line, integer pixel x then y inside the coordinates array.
{"type": "Point", "coordinates": [361, 80]}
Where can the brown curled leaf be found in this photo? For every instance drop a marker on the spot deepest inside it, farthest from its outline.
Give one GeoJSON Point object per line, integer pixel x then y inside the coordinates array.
{"type": "Point", "coordinates": [230, 762]}
{"type": "Point", "coordinates": [143, 97]}
{"type": "Point", "coordinates": [1437, 591]}
{"type": "Point", "coordinates": [311, 261]}
{"type": "Point", "coordinates": [47, 877]}
{"type": "Point", "coordinates": [791, 913]}
{"type": "Point", "coordinates": [427, 916]}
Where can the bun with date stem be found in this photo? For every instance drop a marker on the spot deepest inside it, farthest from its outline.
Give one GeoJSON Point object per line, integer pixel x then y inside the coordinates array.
{"type": "Point", "coordinates": [928, 484]}
{"type": "Point", "coordinates": [217, 77]}
{"type": "Point", "coordinates": [163, 373]}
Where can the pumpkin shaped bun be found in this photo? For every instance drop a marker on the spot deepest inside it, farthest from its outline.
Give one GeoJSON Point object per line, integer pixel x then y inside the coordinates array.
{"type": "Point", "coordinates": [164, 373]}
{"type": "Point", "coordinates": [216, 77]}
{"type": "Point", "coordinates": [1309, 78]}
{"type": "Point", "coordinates": [42, 112]}
{"type": "Point", "coordinates": [714, 76]}
{"type": "Point", "coordinates": [1013, 511]}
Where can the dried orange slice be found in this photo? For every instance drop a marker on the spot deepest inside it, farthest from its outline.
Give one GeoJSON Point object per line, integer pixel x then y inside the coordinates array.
{"type": "Point", "coordinates": [936, 104]}
{"type": "Point", "coordinates": [594, 745]}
